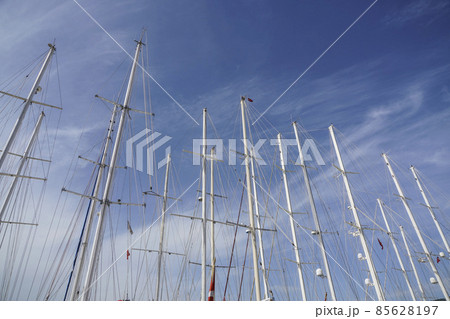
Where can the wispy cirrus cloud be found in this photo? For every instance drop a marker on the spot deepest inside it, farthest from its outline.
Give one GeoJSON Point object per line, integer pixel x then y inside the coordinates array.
{"type": "Point", "coordinates": [416, 10]}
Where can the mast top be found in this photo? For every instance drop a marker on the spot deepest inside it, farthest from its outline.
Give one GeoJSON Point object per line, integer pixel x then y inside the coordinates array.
{"type": "Point", "coordinates": [139, 42]}
{"type": "Point", "coordinates": [142, 36]}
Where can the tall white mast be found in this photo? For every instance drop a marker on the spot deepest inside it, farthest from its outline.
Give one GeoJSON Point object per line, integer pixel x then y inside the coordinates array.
{"type": "Point", "coordinates": [291, 220]}
{"type": "Point", "coordinates": [112, 166]}
{"type": "Point", "coordinates": [314, 212]}
{"type": "Point", "coordinates": [23, 160]}
{"type": "Point", "coordinates": [250, 203]}
{"type": "Point", "coordinates": [161, 237]}
{"type": "Point", "coordinates": [422, 293]}
{"type": "Point", "coordinates": [416, 228]}
{"type": "Point", "coordinates": [391, 236]}
{"type": "Point", "coordinates": [203, 295]}
{"type": "Point", "coordinates": [75, 293]}
{"type": "Point", "coordinates": [26, 105]}
{"type": "Point", "coordinates": [258, 226]}
{"type": "Point", "coordinates": [430, 209]}
{"type": "Point", "coordinates": [213, 251]}
{"type": "Point", "coordinates": [372, 270]}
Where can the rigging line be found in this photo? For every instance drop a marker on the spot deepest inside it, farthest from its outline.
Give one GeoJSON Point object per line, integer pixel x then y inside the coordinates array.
{"type": "Point", "coordinates": [373, 221]}
{"type": "Point", "coordinates": [399, 168]}
{"type": "Point", "coordinates": [75, 160]}
{"type": "Point", "coordinates": [52, 147]}
{"type": "Point", "coordinates": [80, 240]}
{"type": "Point", "coordinates": [175, 180]}
{"type": "Point", "coordinates": [142, 68]}
{"type": "Point", "coordinates": [234, 242]}
{"type": "Point", "coordinates": [408, 222]}
{"type": "Point", "coordinates": [275, 240]}
{"type": "Point", "coordinates": [145, 88]}
{"type": "Point", "coordinates": [269, 123]}
{"type": "Point", "coordinates": [38, 206]}
{"type": "Point", "coordinates": [91, 175]}
{"type": "Point", "coordinates": [315, 61]}
{"type": "Point", "coordinates": [46, 278]}
{"type": "Point", "coordinates": [330, 220]}
{"type": "Point", "coordinates": [386, 265]}
{"type": "Point", "coordinates": [6, 83]}
{"type": "Point", "coordinates": [27, 252]}
{"type": "Point", "coordinates": [62, 249]}
{"type": "Point", "coordinates": [135, 241]}
{"type": "Point", "coordinates": [431, 187]}
{"type": "Point", "coordinates": [315, 241]}
{"type": "Point", "coordinates": [243, 269]}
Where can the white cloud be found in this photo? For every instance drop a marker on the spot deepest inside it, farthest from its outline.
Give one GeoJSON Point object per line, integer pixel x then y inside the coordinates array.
{"type": "Point", "coordinates": [418, 9]}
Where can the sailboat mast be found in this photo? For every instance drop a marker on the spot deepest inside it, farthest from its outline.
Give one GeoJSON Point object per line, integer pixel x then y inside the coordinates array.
{"type": "Point", "coordinates": [250, 203]}
{"type": "Point", "coordinates": [430, 208]}
{"type": "Point", "coordinates": [258, 226]}
{"type": "Point", "coordinates": [112, 166]}
{"type": "Point", "coordinates": [85, 237]}
{"type": "Point", "coordinates": [203, 294]}
{"type": "Point", "coordinates": [391, 236]}
{"type": "Point", "coordinates": [373, 272]}
{"type": "Point", "coordinates": [416, 228]}
{"type": "Point", "coordinates": [422, 293]}
{"type": "Point", "coordinates": [23, 160]}
{"type": "Point", "coordinates": [314, 212]}
{"type": "Point", "coordinates": [161, 236]}
{"type": "Point", "coordinates": [213, 252]}
{"type": "Point", "coordinates": [27, 104]}
{"type": "Point", "coordinates": [291, 221]}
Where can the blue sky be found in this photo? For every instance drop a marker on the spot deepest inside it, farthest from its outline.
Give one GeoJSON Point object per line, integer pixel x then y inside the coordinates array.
{"type": "Point", "coordinates": [385, 84]}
